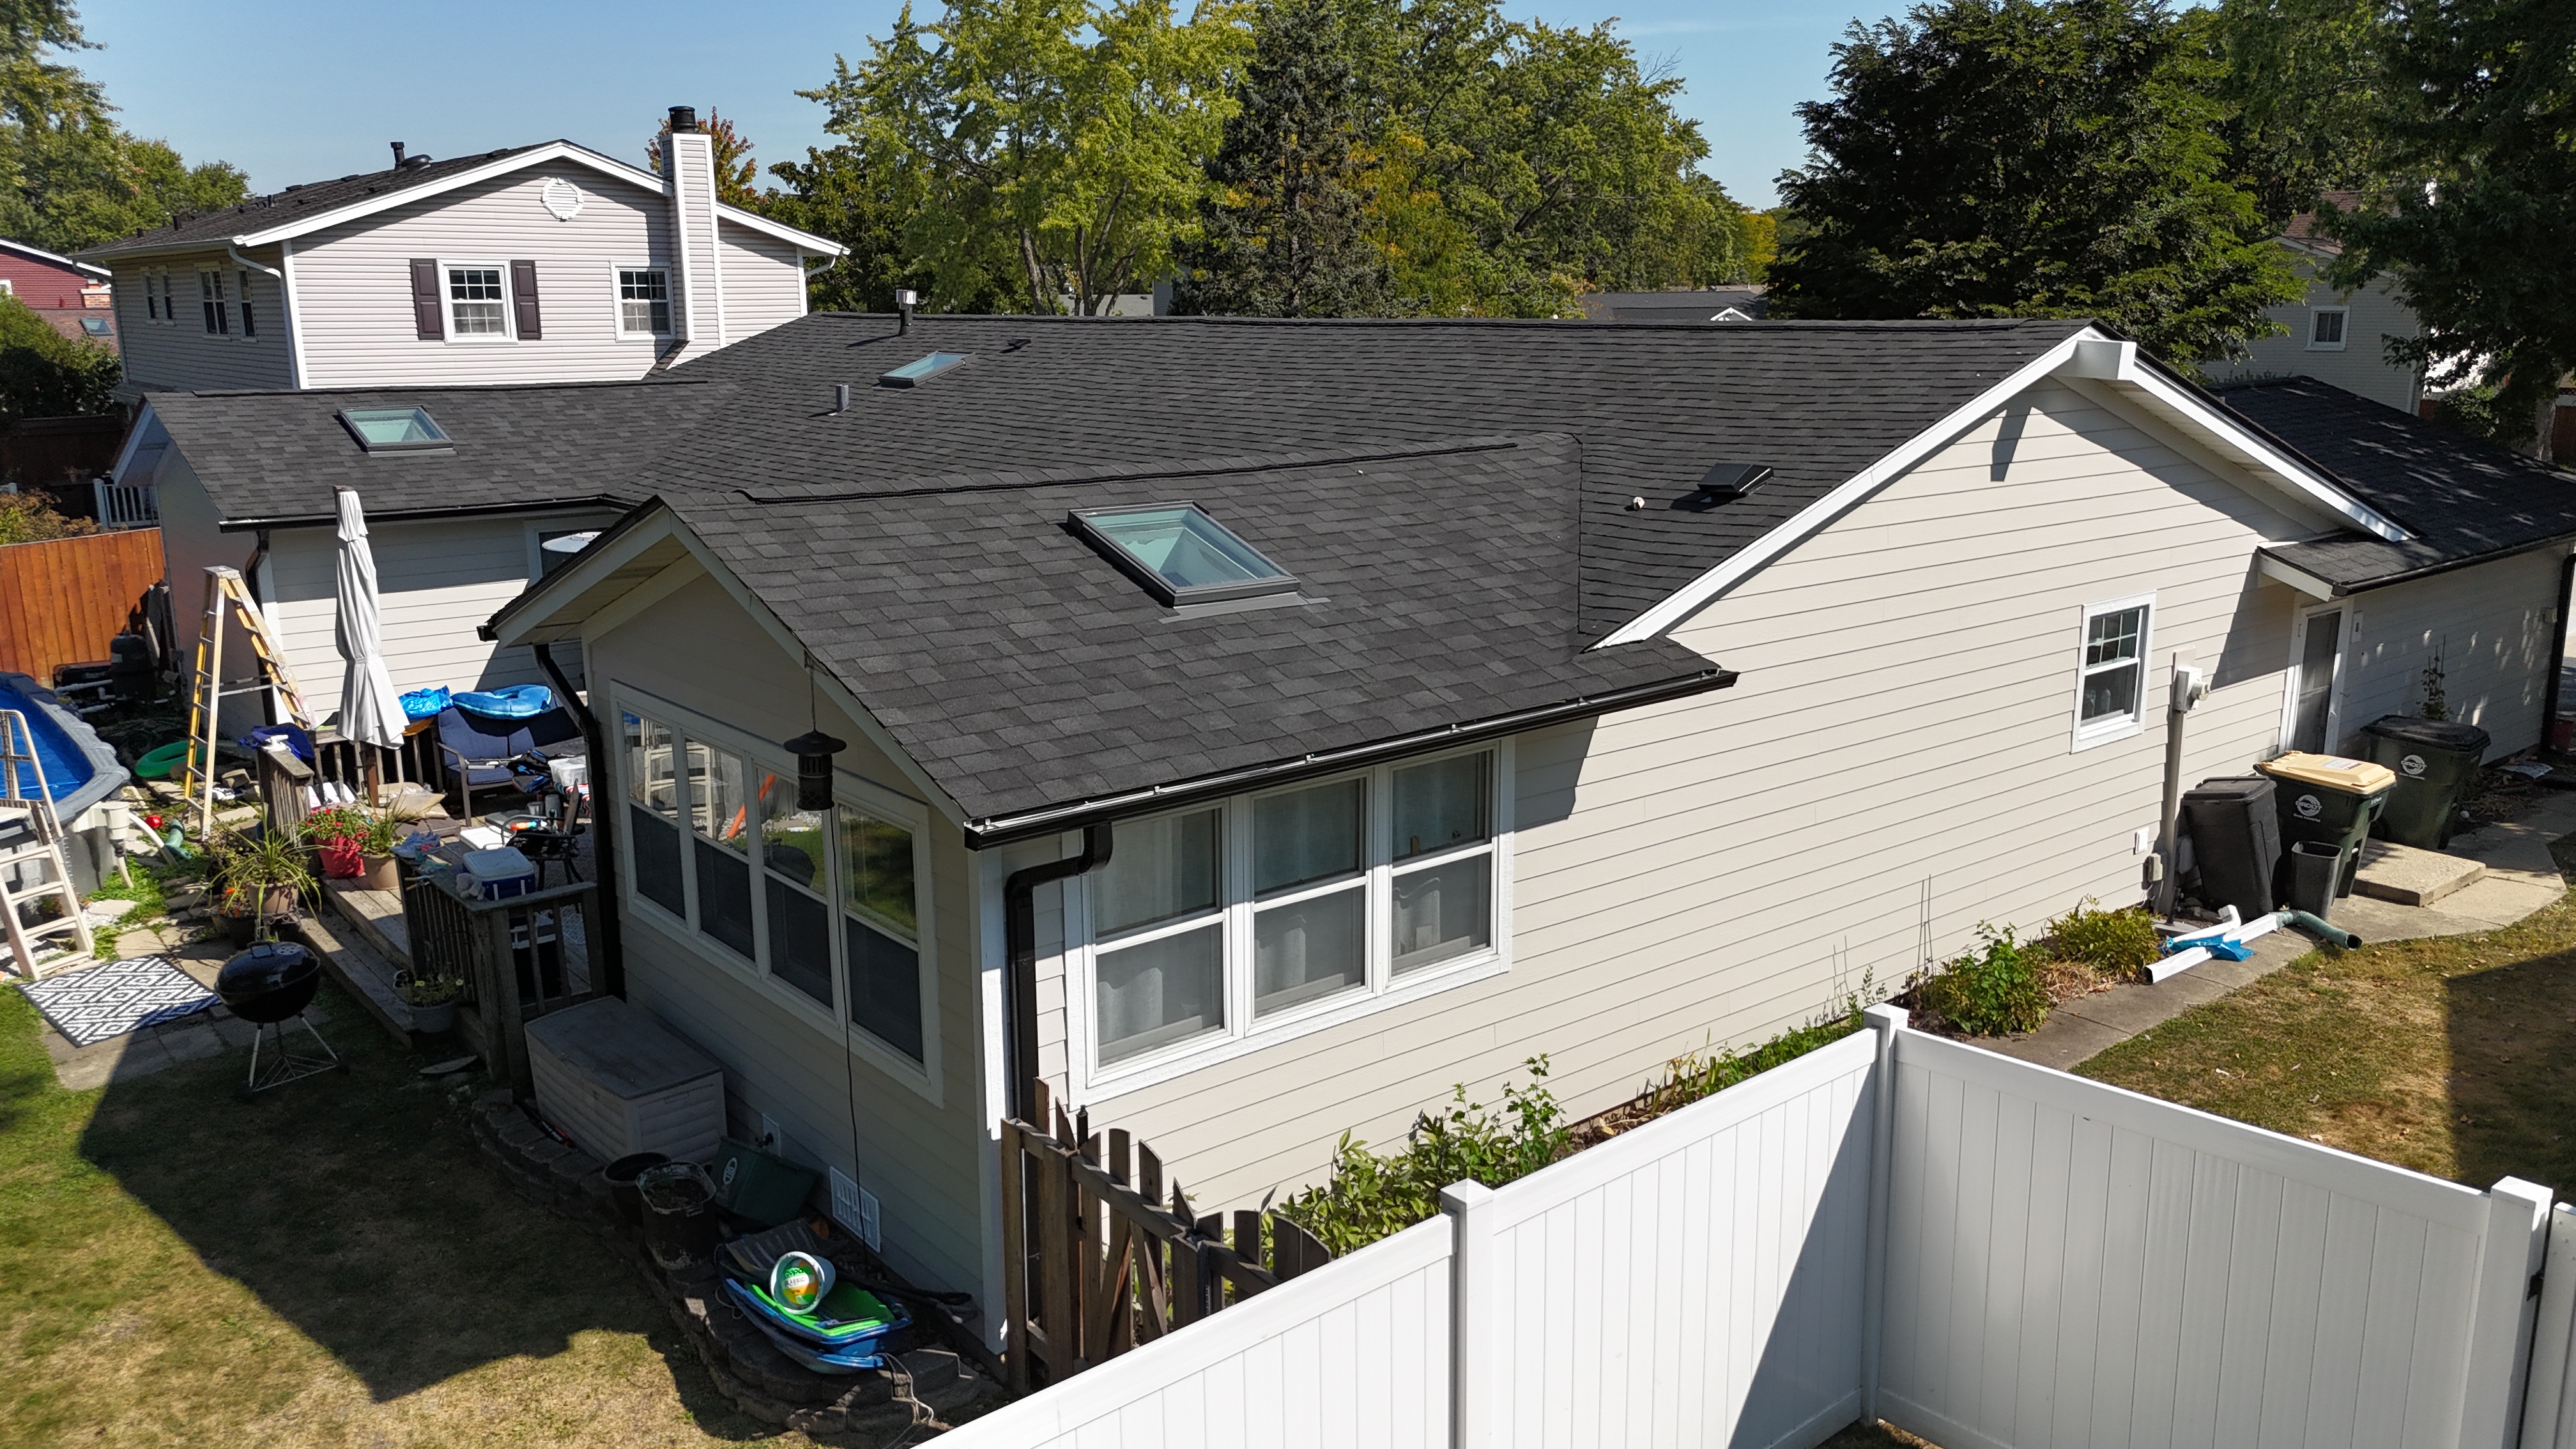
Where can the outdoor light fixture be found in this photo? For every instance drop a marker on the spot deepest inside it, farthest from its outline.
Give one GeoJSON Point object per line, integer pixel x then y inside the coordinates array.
{"type": "Point", "coordinates": [814, 751]}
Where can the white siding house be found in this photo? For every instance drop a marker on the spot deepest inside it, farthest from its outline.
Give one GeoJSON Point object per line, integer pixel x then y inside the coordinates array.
{"type": "Point", "coordinates": [2334, 336]}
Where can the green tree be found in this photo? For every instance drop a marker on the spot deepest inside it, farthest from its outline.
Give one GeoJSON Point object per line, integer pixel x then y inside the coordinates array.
{"type": "Point", "coordinates": [2477, 221]}
{"type": "Point", "coordinates": [44, 374]}
{"type": "Point", "coordinates": [735, 170]}
{"type": "Point", "coordinates": [1285, 229]}
{"type": "Point", "coordinates": [1059, 140]}
{"type": "Point", "coordinates": [2300, 79]}
{"type": "Point", "coordinates": [2009, 158]}
{"type": "Point", "coordinates": [867, 207]}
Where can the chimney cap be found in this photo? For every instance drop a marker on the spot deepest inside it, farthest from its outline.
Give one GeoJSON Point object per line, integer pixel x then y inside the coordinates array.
{"type": "Point", "coordinates": [684, 118]}
{"type": "Point", "coordinates": [398, 153]}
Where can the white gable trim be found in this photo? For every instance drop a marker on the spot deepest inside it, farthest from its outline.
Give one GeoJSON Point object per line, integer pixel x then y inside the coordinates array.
{"type": "Point", "coordinates": [2087, 354]}
{"type": "Point", "coordinates": [520, 161]}
{"type": "Point", "coordinates": [42, 255]}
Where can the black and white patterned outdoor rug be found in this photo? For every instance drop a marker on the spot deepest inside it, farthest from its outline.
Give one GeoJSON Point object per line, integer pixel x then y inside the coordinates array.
{"type": "Point", "coordinates": [115, 997]}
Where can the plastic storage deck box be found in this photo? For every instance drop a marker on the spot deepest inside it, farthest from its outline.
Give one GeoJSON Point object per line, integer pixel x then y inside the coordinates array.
{"type": "Point", "coordinates": [616, 1081]}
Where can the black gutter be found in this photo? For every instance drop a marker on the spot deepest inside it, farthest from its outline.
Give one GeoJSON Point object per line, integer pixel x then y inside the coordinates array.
{"type": "Point", "coordinates": [403, 515]}
{"type": "Point", "coordinates": [1008, 829]}
{"type": "Point", "coordinates": [603, 848]}
{"type": "Point", "coordinates": [2348, 590]}
{"type": "Point", "coordinates": [1020, 933]}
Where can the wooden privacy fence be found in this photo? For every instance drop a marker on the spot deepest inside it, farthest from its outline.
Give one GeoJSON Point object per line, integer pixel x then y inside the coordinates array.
{"type": "Point", "coordinates": [63, 600]}
{"type": "Point", "coordinates": [1097, 1260]}
{"type": "Point", "coordinates": [1981, 1251]}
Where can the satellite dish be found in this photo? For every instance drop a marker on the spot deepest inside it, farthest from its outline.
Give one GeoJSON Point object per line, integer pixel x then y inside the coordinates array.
{"type": "Point", "coordinates": [570, 542]}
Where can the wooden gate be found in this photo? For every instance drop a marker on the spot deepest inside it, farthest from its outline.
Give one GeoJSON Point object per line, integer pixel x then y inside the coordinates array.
{"type": "Point", "coordinates": [1098, 1258]}
{"type": "Point", "coordinates": [61, 601]}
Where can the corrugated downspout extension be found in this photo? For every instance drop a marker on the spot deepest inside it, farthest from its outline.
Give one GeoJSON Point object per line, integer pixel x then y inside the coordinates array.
{"type": "Point", "coordinates": [610, 930]}
{"type": "Point", "coordinates": [1020, 934]}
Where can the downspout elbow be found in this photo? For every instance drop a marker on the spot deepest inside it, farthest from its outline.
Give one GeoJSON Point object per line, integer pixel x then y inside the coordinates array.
{"type": "Point", "coordinates": [234, 251]}
{"type": "Point", "coordinates": [1020, 932]}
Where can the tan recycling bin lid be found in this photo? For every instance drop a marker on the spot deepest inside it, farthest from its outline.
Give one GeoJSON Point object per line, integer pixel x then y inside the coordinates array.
{"type": "Point", "coordinates": [2335, 772]}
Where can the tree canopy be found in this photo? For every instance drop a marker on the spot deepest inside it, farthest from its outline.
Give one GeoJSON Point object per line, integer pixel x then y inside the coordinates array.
{"type": "Point", "coordinates": [44, 374]}
{"type": "Point", "coordinates": [2009, 158]}
{"type": "Point", "coordinates": [735, 168]}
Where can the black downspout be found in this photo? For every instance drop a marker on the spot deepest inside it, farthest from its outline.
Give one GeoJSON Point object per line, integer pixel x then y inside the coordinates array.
{"type": "Point", "coordinates": [2557, 653]}
{"type": "Point", "coordinates": [603, 836]}
{"type": "Point", "coordinates": [1020, 933]}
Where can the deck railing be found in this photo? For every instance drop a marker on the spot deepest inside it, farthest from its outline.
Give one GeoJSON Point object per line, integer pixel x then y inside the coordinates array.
{"type": "Point", "coordinates": [126, 505]}
{"type": "Point", "coordinates": [519, 959]}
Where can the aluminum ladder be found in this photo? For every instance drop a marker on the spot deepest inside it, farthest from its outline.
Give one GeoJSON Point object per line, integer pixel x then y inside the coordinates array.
{"type": "Point", "coordinates": [31, 840]}
{"type": "Point", "coordinates": [206, 689]}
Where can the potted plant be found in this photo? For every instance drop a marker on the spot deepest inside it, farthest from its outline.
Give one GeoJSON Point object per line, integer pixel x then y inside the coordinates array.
{"type": "Point", "coordinates": [257, 879]}
{"type": "Point", "coordinates": [355, 844]}
{"type": "Point", "coordinates": [432, 1000]}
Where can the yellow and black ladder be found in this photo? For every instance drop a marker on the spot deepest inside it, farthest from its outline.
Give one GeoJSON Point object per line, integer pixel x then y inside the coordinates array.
{"type": "Point", "coordinates": [206, 693]}
{"type": "Point", "coordinates": [32, 866]}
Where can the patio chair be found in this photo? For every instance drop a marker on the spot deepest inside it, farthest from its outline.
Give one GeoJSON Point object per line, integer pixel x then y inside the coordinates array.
{"type": "Point", "coordinates": [475, 750]}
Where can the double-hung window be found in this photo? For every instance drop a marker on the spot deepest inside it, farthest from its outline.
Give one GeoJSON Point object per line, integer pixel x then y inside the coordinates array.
{"type": "Point", "coordinates": [1217, 926]}
{"type": "Point", "coordinates": [478, 304]}
{"type": "Point", "coordinates": [2111, 675]}
{"type": "Point", "coordinates": [218, 307]}
{"type": "Point", "coordinates": [643, 302]}
{"type": "Point", "coordinates": [249, 321]}
{"type": "Point", "coordinates": [822, 905]}
{"type": "Point", "coordinates": [152, 287]}
{"type": "Point", "coordinates": [2326, 328]}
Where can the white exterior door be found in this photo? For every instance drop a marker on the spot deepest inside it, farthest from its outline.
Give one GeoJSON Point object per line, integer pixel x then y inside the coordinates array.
{"type": "Point", "coordinates": [2312, 716]}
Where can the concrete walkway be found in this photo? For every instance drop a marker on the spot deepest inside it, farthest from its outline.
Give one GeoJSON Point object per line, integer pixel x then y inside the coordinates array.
{"type": "Point", "coordinates": [2521, 878]}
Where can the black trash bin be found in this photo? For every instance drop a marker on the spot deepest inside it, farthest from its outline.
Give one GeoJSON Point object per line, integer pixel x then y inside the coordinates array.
{"type": "Point", "coordinates": [2434, 761]}
{"type": "Point", "coordinates": [2235, 842]}
{"type": "Point", "coordinates": [2316, 872]}
{"type": "Point", "coordinates": [2329, 800]}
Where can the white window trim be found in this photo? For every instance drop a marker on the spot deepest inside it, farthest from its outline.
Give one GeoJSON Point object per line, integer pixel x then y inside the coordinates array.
{"type": "Point", "coordinates": [2109, 731]}
{"type": "Point", "coordinates": [922, 1078]}
{"type": "Point", "coordinates": [617, 306]}
{"type": "Point", "coordinates": [223, 302]}
{"type": "Point", "coordinates": [241, 306]}
{"type": "Point", "coordinates": [2313, 314]}
{"type": "Point", "coordinates": [2347, 630]}
{"type": "Point", "coordinates": [447, 305]}
{"type": "Point", "coordinates": [1243, 1033]}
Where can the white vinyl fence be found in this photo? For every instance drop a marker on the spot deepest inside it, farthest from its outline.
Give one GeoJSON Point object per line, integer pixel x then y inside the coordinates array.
{"type": "Point", "coordinates": [1990, 1254]}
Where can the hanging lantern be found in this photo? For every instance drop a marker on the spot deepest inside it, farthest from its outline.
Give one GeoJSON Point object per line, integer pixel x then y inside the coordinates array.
{"type": "Point", "coordinates": [814, 751]}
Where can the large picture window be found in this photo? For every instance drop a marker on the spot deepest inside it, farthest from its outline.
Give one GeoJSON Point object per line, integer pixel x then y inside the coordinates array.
{"type": "Point", "coordinates": [1215, 924]}
{"type": "Point", "coordinates": [823, 904]}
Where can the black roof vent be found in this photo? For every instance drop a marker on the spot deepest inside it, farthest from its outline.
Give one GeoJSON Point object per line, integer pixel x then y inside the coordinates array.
{"type": "Point", "coordinates": [1726, 482]}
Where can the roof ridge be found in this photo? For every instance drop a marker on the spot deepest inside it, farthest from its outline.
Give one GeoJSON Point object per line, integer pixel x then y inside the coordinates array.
{"type": "Point", "coordinates": [1886, 324]}
{"type": "Point", "coordinates": [454, 389]}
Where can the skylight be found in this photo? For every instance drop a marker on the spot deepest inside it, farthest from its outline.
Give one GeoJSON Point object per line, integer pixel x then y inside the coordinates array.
{"type": "Point", "coordinates": [395, 430]}
{"type": "Point", "coordinates": [921, 369]}
{"type": "Point", "coordinates": [1179, 554]}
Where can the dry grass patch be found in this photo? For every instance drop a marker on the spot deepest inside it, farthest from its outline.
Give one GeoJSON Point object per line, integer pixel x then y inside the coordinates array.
{"type": "Point", "coordinates": [2446, 1055]}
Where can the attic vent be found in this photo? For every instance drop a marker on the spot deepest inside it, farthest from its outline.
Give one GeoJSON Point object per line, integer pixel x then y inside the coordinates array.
{"type": "Point", "coordinates": [1179, 553]}
{"type": "Point", "coordinates": [1726, 482]}
{"type": "Point", "coordinates": [394, 430]}
{"type": "Point", "coordinates": [921, 370]}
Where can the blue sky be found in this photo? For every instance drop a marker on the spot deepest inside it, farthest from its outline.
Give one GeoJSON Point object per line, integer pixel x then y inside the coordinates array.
{"type": "Point", "coordinates": [294, 90]}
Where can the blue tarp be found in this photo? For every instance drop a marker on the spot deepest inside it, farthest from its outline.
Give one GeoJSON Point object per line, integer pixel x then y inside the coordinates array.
{"type": "Point", "coordinates": [80, 768]}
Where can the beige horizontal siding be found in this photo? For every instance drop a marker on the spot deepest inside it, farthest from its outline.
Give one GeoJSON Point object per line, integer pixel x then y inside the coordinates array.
{"type": "Point", "coordinates": [181, 355]}
{"type": "Point", "coordinates": [696, 649]}
{"type": "Point", "coordinates": [2491, 625]}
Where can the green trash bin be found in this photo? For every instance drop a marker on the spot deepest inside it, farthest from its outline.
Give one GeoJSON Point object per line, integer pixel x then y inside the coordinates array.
{"type": "Point", "coordinates": [2434, 761]}
{"type": "Point", "coordinates": [2329, 800]}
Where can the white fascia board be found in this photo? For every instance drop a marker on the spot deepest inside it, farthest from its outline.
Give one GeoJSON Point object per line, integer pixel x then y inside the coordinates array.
{"type": "Point", "coordinates": [551, 151]}
{"type": "Point", "coordinates": [2297, 578]}
{"type": "Point", "coordinates": [146, 424]}
{"type": "Point", "coordinates": [2086, 354]}
{"type": "Point", "coordinates": [42, 255]}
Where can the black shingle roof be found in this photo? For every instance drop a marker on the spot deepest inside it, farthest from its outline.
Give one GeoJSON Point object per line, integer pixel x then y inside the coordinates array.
{"type": "Point", "coordinates": [1022, 670]}
{"type": "Point", "coordinates": [2465, 500]}
{"type": "Point", "coordinates": [281, 208]}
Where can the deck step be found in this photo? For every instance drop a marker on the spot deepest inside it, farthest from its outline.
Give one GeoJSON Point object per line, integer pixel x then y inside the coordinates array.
{"type": "Point", "coordinates": [361, 971]}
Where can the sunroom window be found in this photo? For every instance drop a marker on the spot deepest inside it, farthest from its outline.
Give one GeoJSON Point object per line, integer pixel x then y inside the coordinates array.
{"type": "Point", "coordinates": [880, 931]}
{"type": "Point", "coordinates": [1161, 969]}
{"type": "Point", "coordinates": [718, 819]}
{"type": "Point", "coordinates": [653, 806]}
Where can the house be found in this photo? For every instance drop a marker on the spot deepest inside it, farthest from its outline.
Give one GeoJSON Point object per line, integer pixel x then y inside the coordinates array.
{"type": "Point", "coordinates": [73, 296]}
{"type": "Point", "coordinates": [2332, 335]}
{"type": "Point", "coordinates": [1434, 695]}
{"type": "Point", "coordinates": [539, 269]}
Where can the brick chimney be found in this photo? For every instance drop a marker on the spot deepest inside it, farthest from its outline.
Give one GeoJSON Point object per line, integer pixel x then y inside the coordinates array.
{"type": "Point", "coordinates": [689, 175]}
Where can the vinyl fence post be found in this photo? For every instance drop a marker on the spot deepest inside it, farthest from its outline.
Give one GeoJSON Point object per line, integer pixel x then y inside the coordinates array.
{"type": "Point", "coordinates": [2544, 1396]}
{"type": "Point", "coordinates": [1472, 1314]}
{"type": "Point", "coordinates": [2500, 1332]}
{"type": "Point", "coordinates": [1885, 1022]}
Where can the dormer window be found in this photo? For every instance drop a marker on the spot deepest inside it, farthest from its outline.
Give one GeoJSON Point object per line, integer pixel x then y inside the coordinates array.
{"type": "Point", "coordinates": [395, 430]}
{"type": "Point", "coordinates": [1180, 554]}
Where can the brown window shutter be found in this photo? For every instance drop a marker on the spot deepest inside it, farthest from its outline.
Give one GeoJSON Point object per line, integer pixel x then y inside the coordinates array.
{"type": "Point", "coordinates": [426, 314]}
{"type": "Point", "coordinates": [523, 297]}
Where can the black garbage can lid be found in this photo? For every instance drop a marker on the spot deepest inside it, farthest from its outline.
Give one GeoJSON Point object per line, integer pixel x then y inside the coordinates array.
{"type": "Point", "coordinates": [2441, 734]}
{"type": "Point", "coordinates": [2230, 787]}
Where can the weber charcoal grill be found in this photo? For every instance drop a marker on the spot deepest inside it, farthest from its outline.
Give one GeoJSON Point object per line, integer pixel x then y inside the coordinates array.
{"type": "Point", "coordinates": [268, 986]}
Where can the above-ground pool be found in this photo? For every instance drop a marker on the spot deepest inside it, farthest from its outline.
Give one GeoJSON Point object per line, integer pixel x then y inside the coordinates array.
{"type": "Point", "coordinates": [80, 768]}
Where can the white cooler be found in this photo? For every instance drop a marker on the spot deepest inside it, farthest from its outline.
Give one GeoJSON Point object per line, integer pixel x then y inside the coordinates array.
{"type": "Point", "coordinates": [618, 1082]}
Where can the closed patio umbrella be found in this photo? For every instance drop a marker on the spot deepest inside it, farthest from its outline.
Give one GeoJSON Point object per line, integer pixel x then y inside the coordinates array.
{"type": "Point", "coordinates": [370, 712]}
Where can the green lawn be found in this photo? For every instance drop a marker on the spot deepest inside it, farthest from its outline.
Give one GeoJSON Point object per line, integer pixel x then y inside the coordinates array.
{"type": "Point", "coordinates": [335, 1264]}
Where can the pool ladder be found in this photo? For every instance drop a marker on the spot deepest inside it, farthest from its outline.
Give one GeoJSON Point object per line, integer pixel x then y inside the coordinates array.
{"type": "Point", "coordinates": [31, 840]}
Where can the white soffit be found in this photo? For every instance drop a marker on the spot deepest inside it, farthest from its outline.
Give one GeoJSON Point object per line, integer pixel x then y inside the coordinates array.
{"type": "Point", "coordinates": [2087, 354]}
{"type": "Point", "coordinates": [2297, 578]}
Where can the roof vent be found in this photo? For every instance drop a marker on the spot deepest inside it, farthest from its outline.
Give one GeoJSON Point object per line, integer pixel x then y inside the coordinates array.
{"type": "Point", "coordinates": [398, 153]}
{"type": "Point", "coordinates": [1726, 482]}
{"type": "Point", "coordinates": [921, 370]}
{"type": "Point", "coordinates": [684, 118]}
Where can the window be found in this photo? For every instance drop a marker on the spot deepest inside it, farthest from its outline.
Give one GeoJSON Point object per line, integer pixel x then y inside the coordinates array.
{"type": "Point", "coordinates": [643, 301]}
{"type": "Point", "coordinates": [559, 546]}
{"type": "Point", "coordinates": [2325, 328]}
{"type": "Point", "coordinates": [94, 326]}
{"type": "Point", "coordinates": [478, 306]}
{"type": "Point", "coordinates": [210, 292]}
{"type": "Point", "coordinates": [1179, 553]}
{"type": "Point", "coordinates": [250, 323]}
{"type": "Point", "coordinates": [2112, 677]}
{"type": "Point", "coordinates": [828, 909]}
{"type": "Point", "coordinates": [920, 369]}
{"type": "Point", "coordinates": [1215, 925]}
{"type": "Point", "coordinates": [152, 287]}
{"type": "Point", "coordinates": [394, 430]}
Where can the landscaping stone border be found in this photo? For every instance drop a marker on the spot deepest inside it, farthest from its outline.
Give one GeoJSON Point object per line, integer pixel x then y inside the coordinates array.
{"type": "Point", "coordinates": [921, 1391]}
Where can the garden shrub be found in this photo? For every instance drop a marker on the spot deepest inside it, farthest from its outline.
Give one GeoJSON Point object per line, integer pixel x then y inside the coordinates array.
{"type": "Point", "coordinates": [1988, 992]}
{"type": "Point", "coordinates": [2115, 943]}
{"type": "Point", "coordinates": [1371, 1197]}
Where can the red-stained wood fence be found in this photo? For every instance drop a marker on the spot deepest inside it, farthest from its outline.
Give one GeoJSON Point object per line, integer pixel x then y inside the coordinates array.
{"type": "Point", "coordinates": [63, 600]}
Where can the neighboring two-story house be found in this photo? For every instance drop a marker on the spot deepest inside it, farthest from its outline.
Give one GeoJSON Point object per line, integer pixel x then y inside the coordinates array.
{"type": "Point", "coordinates": [540, 266]}
{"type": "Point", "coordinates": [73, 296]}
{"type": "Point", "coordinates": [2333, 336]}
